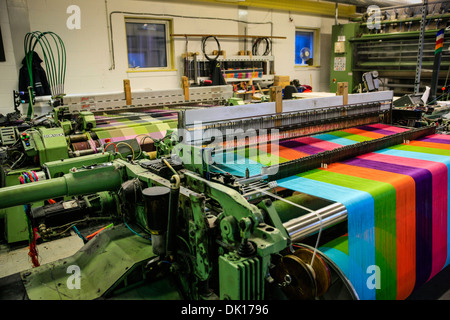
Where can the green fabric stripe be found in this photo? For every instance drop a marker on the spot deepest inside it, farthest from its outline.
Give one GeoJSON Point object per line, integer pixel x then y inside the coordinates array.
{"type": "Point", "coordinates": [340, 243]}
{"type": "Point", "coordinates": [350, 136]}
{"type": "Point", "coordinates": [405, 147]}
{"type": "Point", "coordinates": [384, 196]}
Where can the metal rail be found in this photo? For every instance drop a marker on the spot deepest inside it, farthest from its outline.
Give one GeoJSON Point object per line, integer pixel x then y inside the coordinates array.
{"type": "Point", "coordinates": [420, 53]}
{"type": "Point", "coordinates": [301, 227]}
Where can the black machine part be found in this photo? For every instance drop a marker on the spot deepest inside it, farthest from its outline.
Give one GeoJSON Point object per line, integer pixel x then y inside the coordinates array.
{"type": "Point", "coordinates": [53, 215]}
{"type": "Point", "coordinates": [160, 168]}
{"type": "Point", "coordinates": [64, 212]}
{"type": "Point", "coordinates": [156, 208]}
{"type": "Point", "coordinates": [156, 201]}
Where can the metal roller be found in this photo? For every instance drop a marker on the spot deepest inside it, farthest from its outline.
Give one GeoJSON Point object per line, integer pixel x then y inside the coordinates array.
{"type": "Point", "coordinates": [78, 137]}
{"type": "Point", "coordinates": [306, 225]}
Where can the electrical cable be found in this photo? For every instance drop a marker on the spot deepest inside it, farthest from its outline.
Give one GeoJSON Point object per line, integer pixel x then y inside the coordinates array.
{"type": "Point", "coordinates": [140, 142]}
{"type": "Point", "coordinates": [79, 234]}
{"type": "Point", "coordinates": [445, 85]}
{"type": "Point", "coordinates": [256, 44]}
{"type": "Point", "coordinates": [131, 148]}
{"type": "Point", "coordinates": [55, 71]}
{"type": "Point", "coordinates": [140, 235]}
{"type": "Point", "coordinates": [204, 48]}
{"type": "Point", "coordinates": [55, 68]}
{"type": "Point", "coordinates": [111, 143]}
{"type": "Point", "coordinates": [32, 230]}
{"type": "Point", "coordinates": [17, 161]}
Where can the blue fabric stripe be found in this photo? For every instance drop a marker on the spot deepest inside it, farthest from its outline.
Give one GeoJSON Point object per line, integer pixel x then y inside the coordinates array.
{"type": "Point", "coordinates": [335, 139]}
{"type": "Point", "coordinates": [361, 225]}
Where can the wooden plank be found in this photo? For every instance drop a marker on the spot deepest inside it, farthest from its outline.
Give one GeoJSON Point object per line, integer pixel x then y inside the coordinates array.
{"type": "Point", "coordinates": [342, 90]}
{"type": "Point", "coordinates": [276, 95]}
{"type": "Point", "coordinates": [185, 86]}
{"type": "Point", "coordinates": [224, 36]}
{"type": "Point", "coordinates": [127, 90]}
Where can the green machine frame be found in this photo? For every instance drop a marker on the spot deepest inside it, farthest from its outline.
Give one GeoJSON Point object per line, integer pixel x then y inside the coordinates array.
{"type": "Point", "coordinates": [342, 57]}
{"type": "Point", "coordinates": [392, 49]}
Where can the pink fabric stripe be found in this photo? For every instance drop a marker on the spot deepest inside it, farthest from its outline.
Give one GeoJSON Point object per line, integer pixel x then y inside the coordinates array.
{"type": "Point", "coordinates": [439, 136]}
{"type": "Point", "coordinates": [318, 143]}
{"type": "Point", "coordinates": [440, 210]}
{"type": "Point", "coordinates": [388, 127]}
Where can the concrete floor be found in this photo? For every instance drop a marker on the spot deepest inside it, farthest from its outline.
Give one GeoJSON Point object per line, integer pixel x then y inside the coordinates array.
{"type": "Point", "coordinates": [17, 259]}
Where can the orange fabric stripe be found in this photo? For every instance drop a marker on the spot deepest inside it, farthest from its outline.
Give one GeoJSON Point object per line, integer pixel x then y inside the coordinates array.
{"type": "Point", "coordinates": [364, 133]}
{"type": "Point", "coordinates": [428, 145]}
{"type": "Point", "coordinates": [406, 227]}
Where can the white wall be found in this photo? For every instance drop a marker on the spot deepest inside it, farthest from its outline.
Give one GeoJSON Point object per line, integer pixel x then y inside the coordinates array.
{"type": "Point", "coordinates": [8, 69]}
{"type": "Point", "coordinates": [88, 49]}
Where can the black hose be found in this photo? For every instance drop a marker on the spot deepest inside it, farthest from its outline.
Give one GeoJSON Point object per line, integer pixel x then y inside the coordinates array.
{"type": "Point", "coordinates": [256, 44]}
{"type": "Point", "coordinates": [204, 45]}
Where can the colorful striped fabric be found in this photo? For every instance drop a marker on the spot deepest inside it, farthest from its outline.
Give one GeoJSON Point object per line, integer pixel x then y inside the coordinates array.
{"type": "Point", "coordinates": [124, 126]}
{"type": "Point", "coordinates": [242, 74]}
{"type": "Point", "coordinates": [254, 158]}
{"type": "Point", "coordinates": [439, 41]}
{"type": "Point", "coordinates": [398, 207]}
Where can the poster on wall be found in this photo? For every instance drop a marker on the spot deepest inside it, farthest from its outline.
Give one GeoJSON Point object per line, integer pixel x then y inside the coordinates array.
{"type": "Point", "coordinates": [2, 50]}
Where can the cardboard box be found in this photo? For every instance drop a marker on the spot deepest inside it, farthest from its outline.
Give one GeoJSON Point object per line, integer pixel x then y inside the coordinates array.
{"type": "Point", "coordinates": [281, 78]}
{"type": "Point", "coordinates": [281, 81]}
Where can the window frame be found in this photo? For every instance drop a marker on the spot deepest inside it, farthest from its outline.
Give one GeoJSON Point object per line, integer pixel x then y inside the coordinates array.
{"type": "Point", "coordinates": [168, 23]}
{"type": "Point", "coordinates": [316, 49]}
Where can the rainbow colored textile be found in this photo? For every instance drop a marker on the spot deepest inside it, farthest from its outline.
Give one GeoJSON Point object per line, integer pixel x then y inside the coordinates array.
{"type": "Point", "coordinates": [255, 158]}
{"type": "Point", "coordinates": [124, 126]}
{"type": "Point", "coordinates": [397, 201]}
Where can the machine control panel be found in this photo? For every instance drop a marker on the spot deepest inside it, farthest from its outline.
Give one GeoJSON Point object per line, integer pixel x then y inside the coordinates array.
{"type": "Point", "coordinates": [28, 143]}
{"type": "Point", "coordinates": [339, 63]}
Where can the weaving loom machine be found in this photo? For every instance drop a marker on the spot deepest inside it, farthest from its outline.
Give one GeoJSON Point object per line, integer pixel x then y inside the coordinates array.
{"type": "Point", "coordinates": [329, 214]}
{"type": "Point", "coordinates": [80, 127]}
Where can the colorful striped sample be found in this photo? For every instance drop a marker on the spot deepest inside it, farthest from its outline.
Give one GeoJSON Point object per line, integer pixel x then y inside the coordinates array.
{"type": "Point", "coordinates": [406, 235]}
{"type": "Point", "coordinates": [291, 149]}
{"type": "Point", "coordinates": [439, 41]}
{"type": "Point", "coordinates": [397, 201]}
{"type": "Point", "coordinates": [125, 126]}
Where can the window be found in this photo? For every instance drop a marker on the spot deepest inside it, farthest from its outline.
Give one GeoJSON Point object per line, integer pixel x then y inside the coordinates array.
{"type": "Point", "coordinates": [306, 53]}
{"type": "Point", "coordinates": [148, 44]}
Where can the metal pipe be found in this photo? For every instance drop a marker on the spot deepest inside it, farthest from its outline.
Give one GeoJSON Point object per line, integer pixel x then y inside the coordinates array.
{"type": "Point", "coordinates": [336, 14]}
{"type": "Point", "coordinates": [244, 181]}
{"type": "Point", "coordinates": [172, 219]}
{"type": "Point", "coordinates": [306, 225]}
{"type": "Point", "coordinates": [420, 53]}
{"type": "Point", "coordinates": [411, 5]}
{"type": "Point", "coordinates": [102, 178]}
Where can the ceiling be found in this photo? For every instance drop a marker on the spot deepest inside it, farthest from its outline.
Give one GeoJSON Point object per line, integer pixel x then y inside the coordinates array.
{"type": "Point", "coordinates": [381, 3]}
